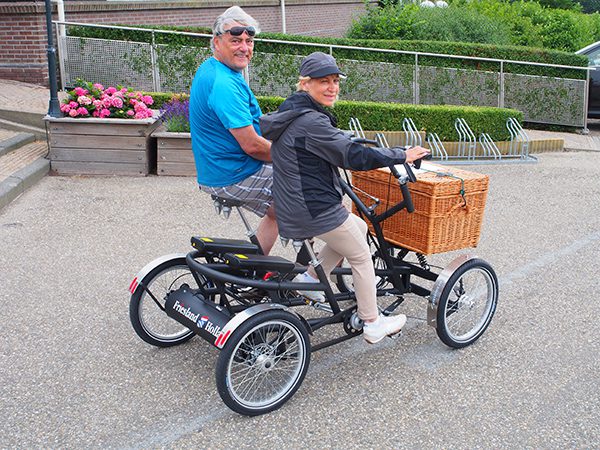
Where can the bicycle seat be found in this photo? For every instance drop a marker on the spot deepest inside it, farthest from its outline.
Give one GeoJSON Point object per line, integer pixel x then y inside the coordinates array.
{"type": "Point", "coordinates": [220, 245]}
{"type": "Point", "coordinates": [227, 201]}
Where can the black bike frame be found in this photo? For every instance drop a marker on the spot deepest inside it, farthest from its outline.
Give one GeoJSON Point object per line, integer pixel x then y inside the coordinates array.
{"type": "Point", "coordinates": [397, 271]}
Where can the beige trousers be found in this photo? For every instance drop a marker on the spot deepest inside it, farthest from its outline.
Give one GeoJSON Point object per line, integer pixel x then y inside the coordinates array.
{"type": "Point", "coordinates": [349, 241]}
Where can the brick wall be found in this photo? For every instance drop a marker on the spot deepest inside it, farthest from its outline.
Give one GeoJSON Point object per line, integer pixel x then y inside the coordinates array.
{"type": "Point", "coordinates": [23, 38]}
{"type": "Point", "coordinates": [23, 46]}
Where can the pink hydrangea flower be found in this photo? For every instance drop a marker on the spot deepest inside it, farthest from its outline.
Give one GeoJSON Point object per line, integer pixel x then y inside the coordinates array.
{"type": "Point", "coordinates": [80, 91]}
{"type": "Point", "coordinates": [99, 102]}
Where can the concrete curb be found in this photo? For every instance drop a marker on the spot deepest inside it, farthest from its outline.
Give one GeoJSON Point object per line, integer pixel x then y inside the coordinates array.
{"type": "Point", "coordinates": [31, 119]}
{"type": "Point", "coordinates": [20, 181]}
{"type": "Point", "coordinates": [40, 133]}
{"type": "Point", "coordinates": [15, 142]}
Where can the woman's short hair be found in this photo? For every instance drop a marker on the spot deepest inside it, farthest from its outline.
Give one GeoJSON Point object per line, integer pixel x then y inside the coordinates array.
{"type": "Point", "coordinates": [299, 83]}
{"type": "Point", "coordinates": [233, 14]}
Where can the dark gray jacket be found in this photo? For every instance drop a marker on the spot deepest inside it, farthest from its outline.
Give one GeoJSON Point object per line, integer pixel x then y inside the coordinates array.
{"type": "Point", "coordinates": [306, 151]}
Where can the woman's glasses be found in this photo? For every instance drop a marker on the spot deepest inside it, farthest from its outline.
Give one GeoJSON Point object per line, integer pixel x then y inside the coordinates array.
{"type": "Point", "coordinates": [238, 31]}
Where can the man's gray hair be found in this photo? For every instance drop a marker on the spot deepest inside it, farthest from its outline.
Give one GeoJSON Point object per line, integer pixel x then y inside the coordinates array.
{"type": "Point", "coordinates": [233, 14]}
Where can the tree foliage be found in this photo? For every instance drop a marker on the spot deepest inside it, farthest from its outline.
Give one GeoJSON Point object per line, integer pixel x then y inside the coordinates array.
{"type": "Point", "coordinates": [552, 24]}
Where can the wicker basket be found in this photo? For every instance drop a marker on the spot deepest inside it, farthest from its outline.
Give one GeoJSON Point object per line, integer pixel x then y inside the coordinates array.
{"type": "Point", "coordinates": [443, 219]}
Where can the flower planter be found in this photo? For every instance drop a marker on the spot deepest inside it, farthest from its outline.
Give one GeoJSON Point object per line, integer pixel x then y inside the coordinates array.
{"type": "Point", "coordinates": [92, 146]}
{"type": "Point", "coordinates": [174, 154]}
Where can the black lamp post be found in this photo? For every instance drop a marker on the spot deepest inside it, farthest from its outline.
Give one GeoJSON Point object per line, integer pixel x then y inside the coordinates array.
{"type": "Point", "coordinates": [53, 104]}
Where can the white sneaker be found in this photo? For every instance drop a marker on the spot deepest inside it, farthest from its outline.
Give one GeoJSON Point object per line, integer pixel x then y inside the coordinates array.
{"type": "Point", "coordinates": [374, 332]}
{"type": "Point", "coordinates": [315, 296]}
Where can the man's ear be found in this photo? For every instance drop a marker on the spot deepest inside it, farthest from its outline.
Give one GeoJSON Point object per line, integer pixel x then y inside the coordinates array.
{"type": "Point", "coordinates": [217, 44]}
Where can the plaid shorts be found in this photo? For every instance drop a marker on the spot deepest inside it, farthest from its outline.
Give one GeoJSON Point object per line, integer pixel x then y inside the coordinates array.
{"type": "Point", "coordinates": [254, 191]}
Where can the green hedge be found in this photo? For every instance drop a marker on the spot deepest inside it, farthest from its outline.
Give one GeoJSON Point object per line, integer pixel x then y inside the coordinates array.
{"type": "Point", "coordinates": [389, 116]}
{"type": "Point", "coordinates": [505, 52]}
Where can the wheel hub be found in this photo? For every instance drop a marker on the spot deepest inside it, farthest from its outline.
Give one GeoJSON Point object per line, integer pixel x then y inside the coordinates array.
{"type": "Point", "coordinates": [265, 363]}
{"type": "Point", "coordinates": [466, 301]}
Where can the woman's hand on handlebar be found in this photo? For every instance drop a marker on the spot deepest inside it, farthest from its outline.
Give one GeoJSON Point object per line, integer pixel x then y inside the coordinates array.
{"type": "Point", "coordinates": [414, 153]}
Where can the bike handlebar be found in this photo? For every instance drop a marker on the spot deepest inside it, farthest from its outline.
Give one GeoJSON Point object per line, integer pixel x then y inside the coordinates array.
{"type": "Point", "coordinates": [403, 181]}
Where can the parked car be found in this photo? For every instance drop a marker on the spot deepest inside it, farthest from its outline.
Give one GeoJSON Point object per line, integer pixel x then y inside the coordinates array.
{"type": "Point", "coordinates": [592, 52]}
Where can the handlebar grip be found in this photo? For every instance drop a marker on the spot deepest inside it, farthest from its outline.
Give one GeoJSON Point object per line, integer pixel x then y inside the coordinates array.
{"type": "Point", "coordinates": [407, 198]}
{"type": "Point", "coordinates": [417, 162]}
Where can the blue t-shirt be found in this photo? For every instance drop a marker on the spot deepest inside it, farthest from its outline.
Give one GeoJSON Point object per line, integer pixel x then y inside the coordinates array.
{"type": "Point", "coordinates": [220, 99]}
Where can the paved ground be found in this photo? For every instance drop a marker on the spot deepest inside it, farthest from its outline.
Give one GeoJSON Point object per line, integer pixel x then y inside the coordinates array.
{"type": "Point", "coordinates": [19, 96]}
{"type": "Point", "coordinates": [75, 375]}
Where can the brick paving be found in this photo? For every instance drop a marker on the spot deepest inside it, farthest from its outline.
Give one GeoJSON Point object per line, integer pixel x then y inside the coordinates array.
{"type": "Point", "coordinates": [7, 134]}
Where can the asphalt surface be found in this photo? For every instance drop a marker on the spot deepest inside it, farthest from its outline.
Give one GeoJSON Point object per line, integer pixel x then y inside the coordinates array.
{"type": "Point", "coordinates": [75, 375]}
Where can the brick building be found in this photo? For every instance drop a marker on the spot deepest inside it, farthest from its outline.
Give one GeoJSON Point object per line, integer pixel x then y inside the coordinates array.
{"type": "Point", "coordinates": [23, 41]}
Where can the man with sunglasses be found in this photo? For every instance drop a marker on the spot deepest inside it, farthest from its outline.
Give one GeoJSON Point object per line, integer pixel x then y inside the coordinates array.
{"type": "Point", "coordinates": [232, 158]}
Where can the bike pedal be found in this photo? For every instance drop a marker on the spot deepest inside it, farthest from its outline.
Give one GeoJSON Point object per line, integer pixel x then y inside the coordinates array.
{"type": "Point", "coordinates": [395, 335]}
{"type": "Point", "coordinates": [318, 305]}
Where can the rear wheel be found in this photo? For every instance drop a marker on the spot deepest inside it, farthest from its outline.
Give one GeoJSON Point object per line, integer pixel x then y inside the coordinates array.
{"type": "Point", "coordinates": [146, 307]}
{"type": "Point", "coordinates": [263, 363]}
{"type": "Point", "coordinates": [467, 304]}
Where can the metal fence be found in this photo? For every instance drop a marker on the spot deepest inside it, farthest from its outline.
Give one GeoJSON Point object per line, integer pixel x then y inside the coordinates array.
{"type": "Point", "coordinates": [156, 67]}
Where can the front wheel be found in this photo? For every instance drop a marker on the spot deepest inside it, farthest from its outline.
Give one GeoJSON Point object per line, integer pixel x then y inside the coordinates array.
{"type": "Point", "coordinates": [467, 304]}
{"type": "Point", "coordinates": [263, 363]}
{"type": "Point", "coordinates": [147, 304]}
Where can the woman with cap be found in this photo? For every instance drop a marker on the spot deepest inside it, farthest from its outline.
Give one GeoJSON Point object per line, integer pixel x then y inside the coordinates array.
{"type": "Point", "coordinates": [307, 148]}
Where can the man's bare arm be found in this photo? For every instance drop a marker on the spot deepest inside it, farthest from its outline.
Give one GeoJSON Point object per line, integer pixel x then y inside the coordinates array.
{"type": "Point", "coordinates": [253, 144]}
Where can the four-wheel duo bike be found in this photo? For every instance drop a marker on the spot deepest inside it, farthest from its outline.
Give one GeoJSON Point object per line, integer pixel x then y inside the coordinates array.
{"type": "Point", "coordinates": [245, 304]}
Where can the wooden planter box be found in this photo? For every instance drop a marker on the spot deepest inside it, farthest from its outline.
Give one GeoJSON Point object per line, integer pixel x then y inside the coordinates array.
{"type": "Point", "coordinates": [174, 154]}
{"type": "Point", "coordinates": [93, 146]}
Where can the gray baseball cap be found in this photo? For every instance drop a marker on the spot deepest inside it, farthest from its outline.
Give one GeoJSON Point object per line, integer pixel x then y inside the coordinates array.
{"type": "Point", "coordinates": [319, 64]}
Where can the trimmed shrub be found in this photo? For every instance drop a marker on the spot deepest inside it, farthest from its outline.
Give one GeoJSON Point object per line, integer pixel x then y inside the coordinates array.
{"type": "Point", "coordinates": [389, 116]}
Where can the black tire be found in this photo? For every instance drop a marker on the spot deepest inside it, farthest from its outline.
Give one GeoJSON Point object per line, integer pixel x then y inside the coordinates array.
{"type": "Point", "coordinates": [271, 348]}
{"type": "Point", "coordinates": [467, 304]}
{"type": "Point", "coordinates": [149, 321]}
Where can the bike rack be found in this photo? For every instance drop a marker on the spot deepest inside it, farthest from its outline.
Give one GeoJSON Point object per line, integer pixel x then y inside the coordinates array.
{"type": "Point", "coordinates": [382, 140]}
{"type": "Point", "coordinates": [519, 140]}
{"type": "Point", "coordinates": [438, 151]}
{"type": "Point", "coordinates": [356, 128]}
{"type": "Point", "coordinates": [489, 147]}
{"type": "Point", "coordinates": [413, 138]}
{"type": "Point", "coordinates": [467, 143]}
